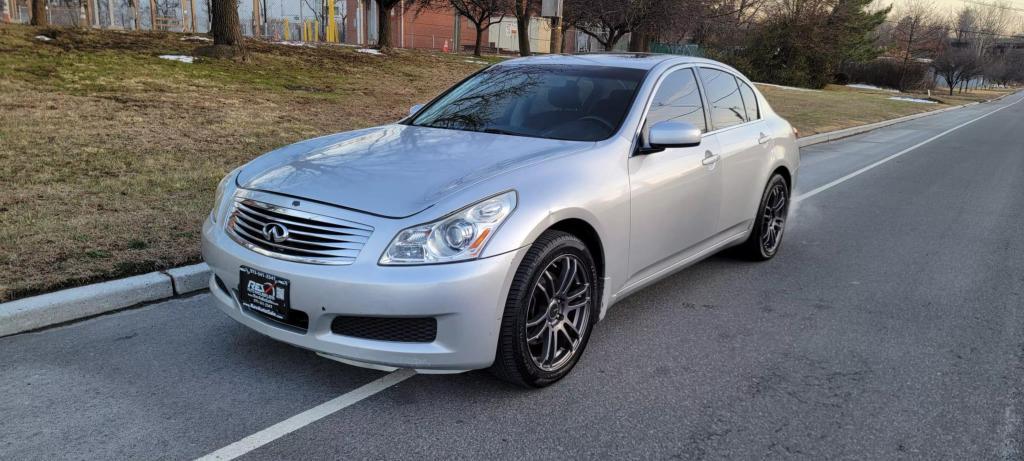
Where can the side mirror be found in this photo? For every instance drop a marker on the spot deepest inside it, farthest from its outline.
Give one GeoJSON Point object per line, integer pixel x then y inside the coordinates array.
{"type": "Point", "coordinates": [668, 134]}
{"type": "Point", "coordinates": [414, 109]}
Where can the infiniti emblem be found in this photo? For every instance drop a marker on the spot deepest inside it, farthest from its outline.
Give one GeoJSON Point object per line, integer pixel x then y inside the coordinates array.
{"type": "Point", "coordinates": [275, 232]}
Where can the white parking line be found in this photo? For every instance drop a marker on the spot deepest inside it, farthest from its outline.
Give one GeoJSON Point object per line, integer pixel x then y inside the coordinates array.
{"type": "Point", "coordinates": [308, 417]}
{"type": "Point", "coordinates": [843, 179]}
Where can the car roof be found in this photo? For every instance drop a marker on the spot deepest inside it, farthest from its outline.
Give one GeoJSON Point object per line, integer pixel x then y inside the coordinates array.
{"type": "Point", "coordinates": [644, 61]}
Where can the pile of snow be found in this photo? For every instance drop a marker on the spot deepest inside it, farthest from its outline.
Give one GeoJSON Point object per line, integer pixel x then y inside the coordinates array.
{"type": "Point", "coordinates": [303, 44]}
{"type": "Point", "coordinates": [370, 51]}
{"type": "Point", "coordinates": [43, 38]}
{"type": "Point", "coordinates": [865, 86]}
{"type": "Point", "coordinates": [922, 101]}
{"type": "Point", "coordinates": [474, 61]}
{"type": "Point", "coordinates": [196, 38]}
{"type": "Point", "coordinates": [178, 57]}
{"type": "Point", "coordinates": [792, 88]}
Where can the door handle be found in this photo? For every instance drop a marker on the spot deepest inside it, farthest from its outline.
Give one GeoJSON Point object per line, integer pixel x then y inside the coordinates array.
{"type": "Point", "coordinates": [763, 138]}
{"type": "Point", "coordinates": [710, 159]}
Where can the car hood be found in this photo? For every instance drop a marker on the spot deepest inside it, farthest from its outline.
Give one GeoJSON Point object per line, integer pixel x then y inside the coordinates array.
{"type": "Point", "coordinates": [395, 170]}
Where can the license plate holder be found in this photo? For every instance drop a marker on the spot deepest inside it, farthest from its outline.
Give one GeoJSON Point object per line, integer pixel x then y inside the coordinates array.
{"type": "Point", "coordinates": [264, 293]}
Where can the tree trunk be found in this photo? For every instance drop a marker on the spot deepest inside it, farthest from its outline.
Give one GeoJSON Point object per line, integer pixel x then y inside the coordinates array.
{"type": "Point", "coordinates": [556, 35]}
{"type": "Point", "coordinates": [383, 25]}
{"type": "Point", "coordinates": [639, 42]}
{"type": "Point", "coordinates": [39, 13]}
{"type": "Point", "coordinates": [479, 40]}
{"type": "Point", "coordinates": [523, 24]}
{"type": "Point", "coordinates": [226, 28]}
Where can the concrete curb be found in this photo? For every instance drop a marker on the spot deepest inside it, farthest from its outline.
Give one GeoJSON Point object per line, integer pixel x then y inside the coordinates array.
{"type": "Point", "coordinates": [78, 303]}
{"type": "Point", "coordinates": [91, 300]}
{"type": "Point", "coordinates": [847, 132]}
{"type": "Point", "coordinates": [189, 279]}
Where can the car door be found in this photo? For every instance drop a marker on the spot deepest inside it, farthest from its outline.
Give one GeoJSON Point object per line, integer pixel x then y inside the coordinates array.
{"type": "Point", "coordinates": [744, 143]}
{"type": "Point", "coordinates": [674, 193]}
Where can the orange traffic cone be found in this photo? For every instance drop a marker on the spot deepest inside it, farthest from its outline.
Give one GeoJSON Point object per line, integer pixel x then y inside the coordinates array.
{"type": "Point", "coordinates": [445, 46]}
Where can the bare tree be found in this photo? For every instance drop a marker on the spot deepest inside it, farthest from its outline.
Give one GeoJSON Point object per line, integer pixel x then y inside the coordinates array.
{"type": "Point", "coordinates": [524, 10]}
{"type": "Point", "coordinates": [482, 13]}
{"type": "Point", "coordinates": [993, 20]}
{"type": "Point", "coordinates": [965, 24]}
{"type": "Point", "coordinates": [956, 66]}
{"type": "Point", "coordinates": [39, 13]}
{"type": "Point", "coordinates": [917, 32]}
{"type": "Point", "coordinates": [610, 20]}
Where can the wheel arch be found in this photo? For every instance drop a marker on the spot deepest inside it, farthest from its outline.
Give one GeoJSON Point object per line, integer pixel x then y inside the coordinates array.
{"type": "Point", "coordinates": [588, 234]}
{"type": "Point", "coordinates": [783, 170]}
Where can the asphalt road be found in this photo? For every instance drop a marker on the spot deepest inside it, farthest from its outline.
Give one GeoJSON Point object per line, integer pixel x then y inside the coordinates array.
{"type": "Point", "coordinates": [890, 326]}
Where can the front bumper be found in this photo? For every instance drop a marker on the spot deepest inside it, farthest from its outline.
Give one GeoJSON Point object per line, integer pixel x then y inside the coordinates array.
{"type": "Point", "coordinates": [467, 299]}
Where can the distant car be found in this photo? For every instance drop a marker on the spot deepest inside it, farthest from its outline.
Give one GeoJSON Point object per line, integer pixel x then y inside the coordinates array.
{"type": "Point", "coordinates": [494, 226]}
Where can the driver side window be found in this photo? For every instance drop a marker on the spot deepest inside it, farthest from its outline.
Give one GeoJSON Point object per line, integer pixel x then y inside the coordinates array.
{"type": "Point", "coordinates": [678, 98]}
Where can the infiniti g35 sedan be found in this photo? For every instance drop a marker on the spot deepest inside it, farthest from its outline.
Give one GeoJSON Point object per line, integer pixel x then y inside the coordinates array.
{"type": "Point", "coordinates": [494, 226]}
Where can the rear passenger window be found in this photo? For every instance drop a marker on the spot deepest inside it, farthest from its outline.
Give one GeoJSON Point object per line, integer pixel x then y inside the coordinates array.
{"type": "Point", "coordinates": [749, 101]}
{"type": "Point", "coordinates": [723, 97]}
{"type": "Point", "coordinates": [678, 98]}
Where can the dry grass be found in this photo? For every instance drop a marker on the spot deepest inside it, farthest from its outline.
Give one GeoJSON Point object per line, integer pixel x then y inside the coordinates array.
{"type": "Point", "coordinates": [109, 155]}
{"type": "Point", "coordinates": [839, 107]}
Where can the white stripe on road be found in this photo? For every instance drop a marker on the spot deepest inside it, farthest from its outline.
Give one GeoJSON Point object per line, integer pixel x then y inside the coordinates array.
{"type": "Point", "coordinates": [308, 417]}
{"type": "Point", "coordinates": [843, 179]}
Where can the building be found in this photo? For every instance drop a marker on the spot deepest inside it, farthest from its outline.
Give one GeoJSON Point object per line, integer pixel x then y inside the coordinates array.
{"type": "Point", "coordinates": [436, 28]}
{"type": "Point", "coordinates": [433, 28]}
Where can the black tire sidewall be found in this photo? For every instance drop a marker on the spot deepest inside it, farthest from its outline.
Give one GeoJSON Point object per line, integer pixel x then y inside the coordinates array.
{"type": "Point", "coordinates": [760, 222]}
{"type": "Point", "coordinates": [564, 244]}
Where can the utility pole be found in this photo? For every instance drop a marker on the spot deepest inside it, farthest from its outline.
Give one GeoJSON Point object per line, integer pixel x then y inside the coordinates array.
{"type": "Point", "coordinates": [553, 9]}
{"type": "Point", "coordinates": [255, 18]}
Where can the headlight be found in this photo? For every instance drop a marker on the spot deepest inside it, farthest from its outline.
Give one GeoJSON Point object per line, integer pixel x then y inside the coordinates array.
{"type": "Point", "coordinates": [457, 237]}
{"type": "Point", "coordinates": [219, 196]}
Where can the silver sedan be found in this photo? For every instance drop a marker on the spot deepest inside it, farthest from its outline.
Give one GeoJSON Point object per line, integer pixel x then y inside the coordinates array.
{"type": "Point", "coordinates": [495, 225]}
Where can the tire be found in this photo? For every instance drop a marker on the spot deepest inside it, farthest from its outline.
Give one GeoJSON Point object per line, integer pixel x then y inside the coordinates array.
{"type": "Point", "coordinates": [550, 319]}
{"type": "Point", "coordinates": [771, 217]}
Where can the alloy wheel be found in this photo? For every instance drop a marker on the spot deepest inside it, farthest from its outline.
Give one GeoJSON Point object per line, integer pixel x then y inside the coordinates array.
{"type": "Point", "coordinates": [774, 218]}
{"type": "Point", "coordinates": [559, 312]}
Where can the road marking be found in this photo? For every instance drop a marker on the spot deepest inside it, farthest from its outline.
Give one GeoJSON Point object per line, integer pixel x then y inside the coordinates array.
{"type": "Point", "coordinates": [850, 176]}
{"type": "Point", "coordinates": [308, 417]}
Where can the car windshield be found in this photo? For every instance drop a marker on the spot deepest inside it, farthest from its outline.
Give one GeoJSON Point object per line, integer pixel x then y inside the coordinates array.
{"type": "Point", "coordinates": [575, 103]}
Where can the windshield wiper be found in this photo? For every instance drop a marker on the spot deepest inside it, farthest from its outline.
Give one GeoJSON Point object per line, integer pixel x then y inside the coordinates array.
{"type": "Point", "coordinates": [501, 131]}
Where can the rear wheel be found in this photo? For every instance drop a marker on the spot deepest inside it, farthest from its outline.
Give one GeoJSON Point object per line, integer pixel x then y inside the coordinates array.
{"type": "Point", "coordinates": [770, 223]}
{"type": "Point", "coordinates": [550, 312]}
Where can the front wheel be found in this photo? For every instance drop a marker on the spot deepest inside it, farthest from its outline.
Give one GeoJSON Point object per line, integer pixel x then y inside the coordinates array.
{"type": "Point", "coordinates": [551, 308]}
{"type": "Point", "coordinates": [770, 223]}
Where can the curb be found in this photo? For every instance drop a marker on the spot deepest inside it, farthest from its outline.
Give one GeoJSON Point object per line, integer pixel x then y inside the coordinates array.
{"type": "Point", "coordinates": [847, 132]}
{"type": "Point", "coordinates": [852, 131]}
{"type": "Point", "coordinates": [64, 306]}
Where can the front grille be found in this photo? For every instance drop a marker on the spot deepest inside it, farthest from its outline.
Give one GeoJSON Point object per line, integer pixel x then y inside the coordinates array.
{"type": "Point", "coordinates": [404, 330]}
{"type": "Point", "coordinates": [302, 237]}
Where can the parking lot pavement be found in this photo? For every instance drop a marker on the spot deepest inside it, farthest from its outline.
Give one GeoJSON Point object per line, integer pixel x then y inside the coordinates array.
{"type": "Point", "coordinates": [890, 326]}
